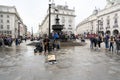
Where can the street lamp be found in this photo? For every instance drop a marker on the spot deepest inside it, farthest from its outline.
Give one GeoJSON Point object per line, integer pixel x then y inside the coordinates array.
{"type": "Point", "coordinates": [49, 17]}
{"type": "Point", "coordinates": [32, 32]}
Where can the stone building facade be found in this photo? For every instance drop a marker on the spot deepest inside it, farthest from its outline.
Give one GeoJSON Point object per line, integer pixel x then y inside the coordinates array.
{"type": "Point", "coordinates": [66, 16]}
{"type": "Point", "coordinates": [102, 21]}
{"type": "Point", "coordinates": [10, 22]}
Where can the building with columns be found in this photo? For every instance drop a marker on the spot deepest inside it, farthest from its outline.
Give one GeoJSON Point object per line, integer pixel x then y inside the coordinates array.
{"type": "Point", "coordinates": [10, 22]}
{"type": "Point", "coordinates": [66, 16]}
{"type": "Point", "coordinates": [102, 21]}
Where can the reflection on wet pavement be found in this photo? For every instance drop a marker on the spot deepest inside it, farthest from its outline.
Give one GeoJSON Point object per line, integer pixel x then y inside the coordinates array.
{"type": "Point", "coordinates": [73, 63]}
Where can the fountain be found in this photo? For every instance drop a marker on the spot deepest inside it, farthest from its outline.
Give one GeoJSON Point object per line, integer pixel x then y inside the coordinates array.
{"type": "Point", "coordinates": [57, 27]}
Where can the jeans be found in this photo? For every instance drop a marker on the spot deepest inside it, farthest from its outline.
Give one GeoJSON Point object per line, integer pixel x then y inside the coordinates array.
{"type": "Point", "coordinates": [106, 44]}
{"type": "Point", "coordinates": [111, 46]}
{"type": "Point", "coordinates": [91, 44]}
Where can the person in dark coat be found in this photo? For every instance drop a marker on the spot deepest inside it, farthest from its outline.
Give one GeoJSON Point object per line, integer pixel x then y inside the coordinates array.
{"type": "Point", "coordinates": [46, 44]}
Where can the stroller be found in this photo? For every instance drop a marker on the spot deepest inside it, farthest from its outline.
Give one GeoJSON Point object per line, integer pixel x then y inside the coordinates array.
{"type": "Point", "coordinates": [39, 47]}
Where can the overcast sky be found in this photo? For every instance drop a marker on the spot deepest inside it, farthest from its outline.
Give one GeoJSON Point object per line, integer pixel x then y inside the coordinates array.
{"type": "Point", "coordinates": [33, 11]}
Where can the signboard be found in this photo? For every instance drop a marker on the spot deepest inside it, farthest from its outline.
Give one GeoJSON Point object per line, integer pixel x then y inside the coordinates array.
{"type": "Point", "coordinates": [51, 57]}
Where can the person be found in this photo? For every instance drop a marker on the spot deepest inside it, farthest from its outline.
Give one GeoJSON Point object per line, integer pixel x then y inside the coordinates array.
{"type": "Point", "coordinates": [91, 41]}
{"type": "Point", "coordinates": [95, 42]}
{"type": "Point", "coordinates": [117, 41]}
{"type": "Point", "coordinates": [54, 44]}
{"type": "Point", "coordinates": [25, 39]}
{"type": "Point", "coordinates": [46, 44]}
{"type": "Point", "coordinates": [16, 41]}
{"type": "Point", "coordinates": [56, 36]}
{"type": "Point", "coordinates": [99, 41]}
{"type": "Point", "coordinates": [1, 41]}
{"type": "Point", "coordinates": [58, 44]}
{"type": "Point", "coordinates": [106, 40]}
{"type": "Point", "coordinates": [111, 43]}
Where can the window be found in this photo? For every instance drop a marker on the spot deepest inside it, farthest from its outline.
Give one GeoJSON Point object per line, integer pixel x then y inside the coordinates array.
{"type": "Point", "coordinates": [91, 26]}
{"type": "Point", "coordinates": [108, 20]}
{"type": "Point", "coordinates": [8, 26]}
{"type": "Point", "coordinates": [70, 27]}
{"type": "Point", "coordinates": [115, 21]}
{"type": "Point", "coordinates": [102, 21]}
{"type": "Point", "coordinates": [1, 26]}
{"type": "Point", "coordinates": [1, 21]}
{"type": "Point", "coordinates": [70, 20]}
{"type": "Point", "coordinates": [8, 21]}
{"type": "Point", "coordinates": [101, 25]}
{"type": "Point", "coordinates": [8, 16]}
{"type": "Point", "coordinates": [2, 32]}
{"type": "Point", "coordinates": [10, 32]}
{"type": "Point", "coordinates": [116, 15]}
{"type": "Point", "coordinates": [5, 32]}
{"type": "Point", "coordinates": [63, 19]}
{"type": "Point", "coordinates": [1, 15]}
{"type": "Point", "coordinates": [116, 18]}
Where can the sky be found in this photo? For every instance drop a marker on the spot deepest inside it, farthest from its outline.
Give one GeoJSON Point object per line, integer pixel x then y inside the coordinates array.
{"type": "Point", "coordinates": [33, 12]}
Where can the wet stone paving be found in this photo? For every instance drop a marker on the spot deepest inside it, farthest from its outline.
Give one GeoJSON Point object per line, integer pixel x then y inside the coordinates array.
{"type": "Point", "coordinates": [73, 63]}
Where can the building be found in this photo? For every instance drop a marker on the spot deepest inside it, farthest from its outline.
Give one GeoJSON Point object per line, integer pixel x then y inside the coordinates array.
{"type": "Point", "coordinates": [10, 22]}
{"type": "Point", "coordinates": [66, 16]}
{"type": "Point", "coordinates": [102, 21]}
{"type": "Point", "coordinates": [28, 34]}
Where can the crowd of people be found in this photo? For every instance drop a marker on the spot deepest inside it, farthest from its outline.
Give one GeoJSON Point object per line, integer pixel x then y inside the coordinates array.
{"type": "Point", "coordinates": [111, 42]}
{"type": "Point", "coordinates": [48, 44]}
{"type": "Point", "coordinates": [53, 41]}
{"type": "Point", "coordinates": [8, 41]}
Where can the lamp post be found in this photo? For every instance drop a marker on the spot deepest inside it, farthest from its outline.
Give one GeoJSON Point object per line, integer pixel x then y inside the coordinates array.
{"type": "Point", "coordinates": [49, 17]}
{"type": "Point", "coordinates": [32, 32]}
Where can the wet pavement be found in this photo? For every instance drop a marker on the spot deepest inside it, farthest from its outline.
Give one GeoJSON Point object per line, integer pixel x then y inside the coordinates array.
{"type": "Point", "coordinates": [73, 63]}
